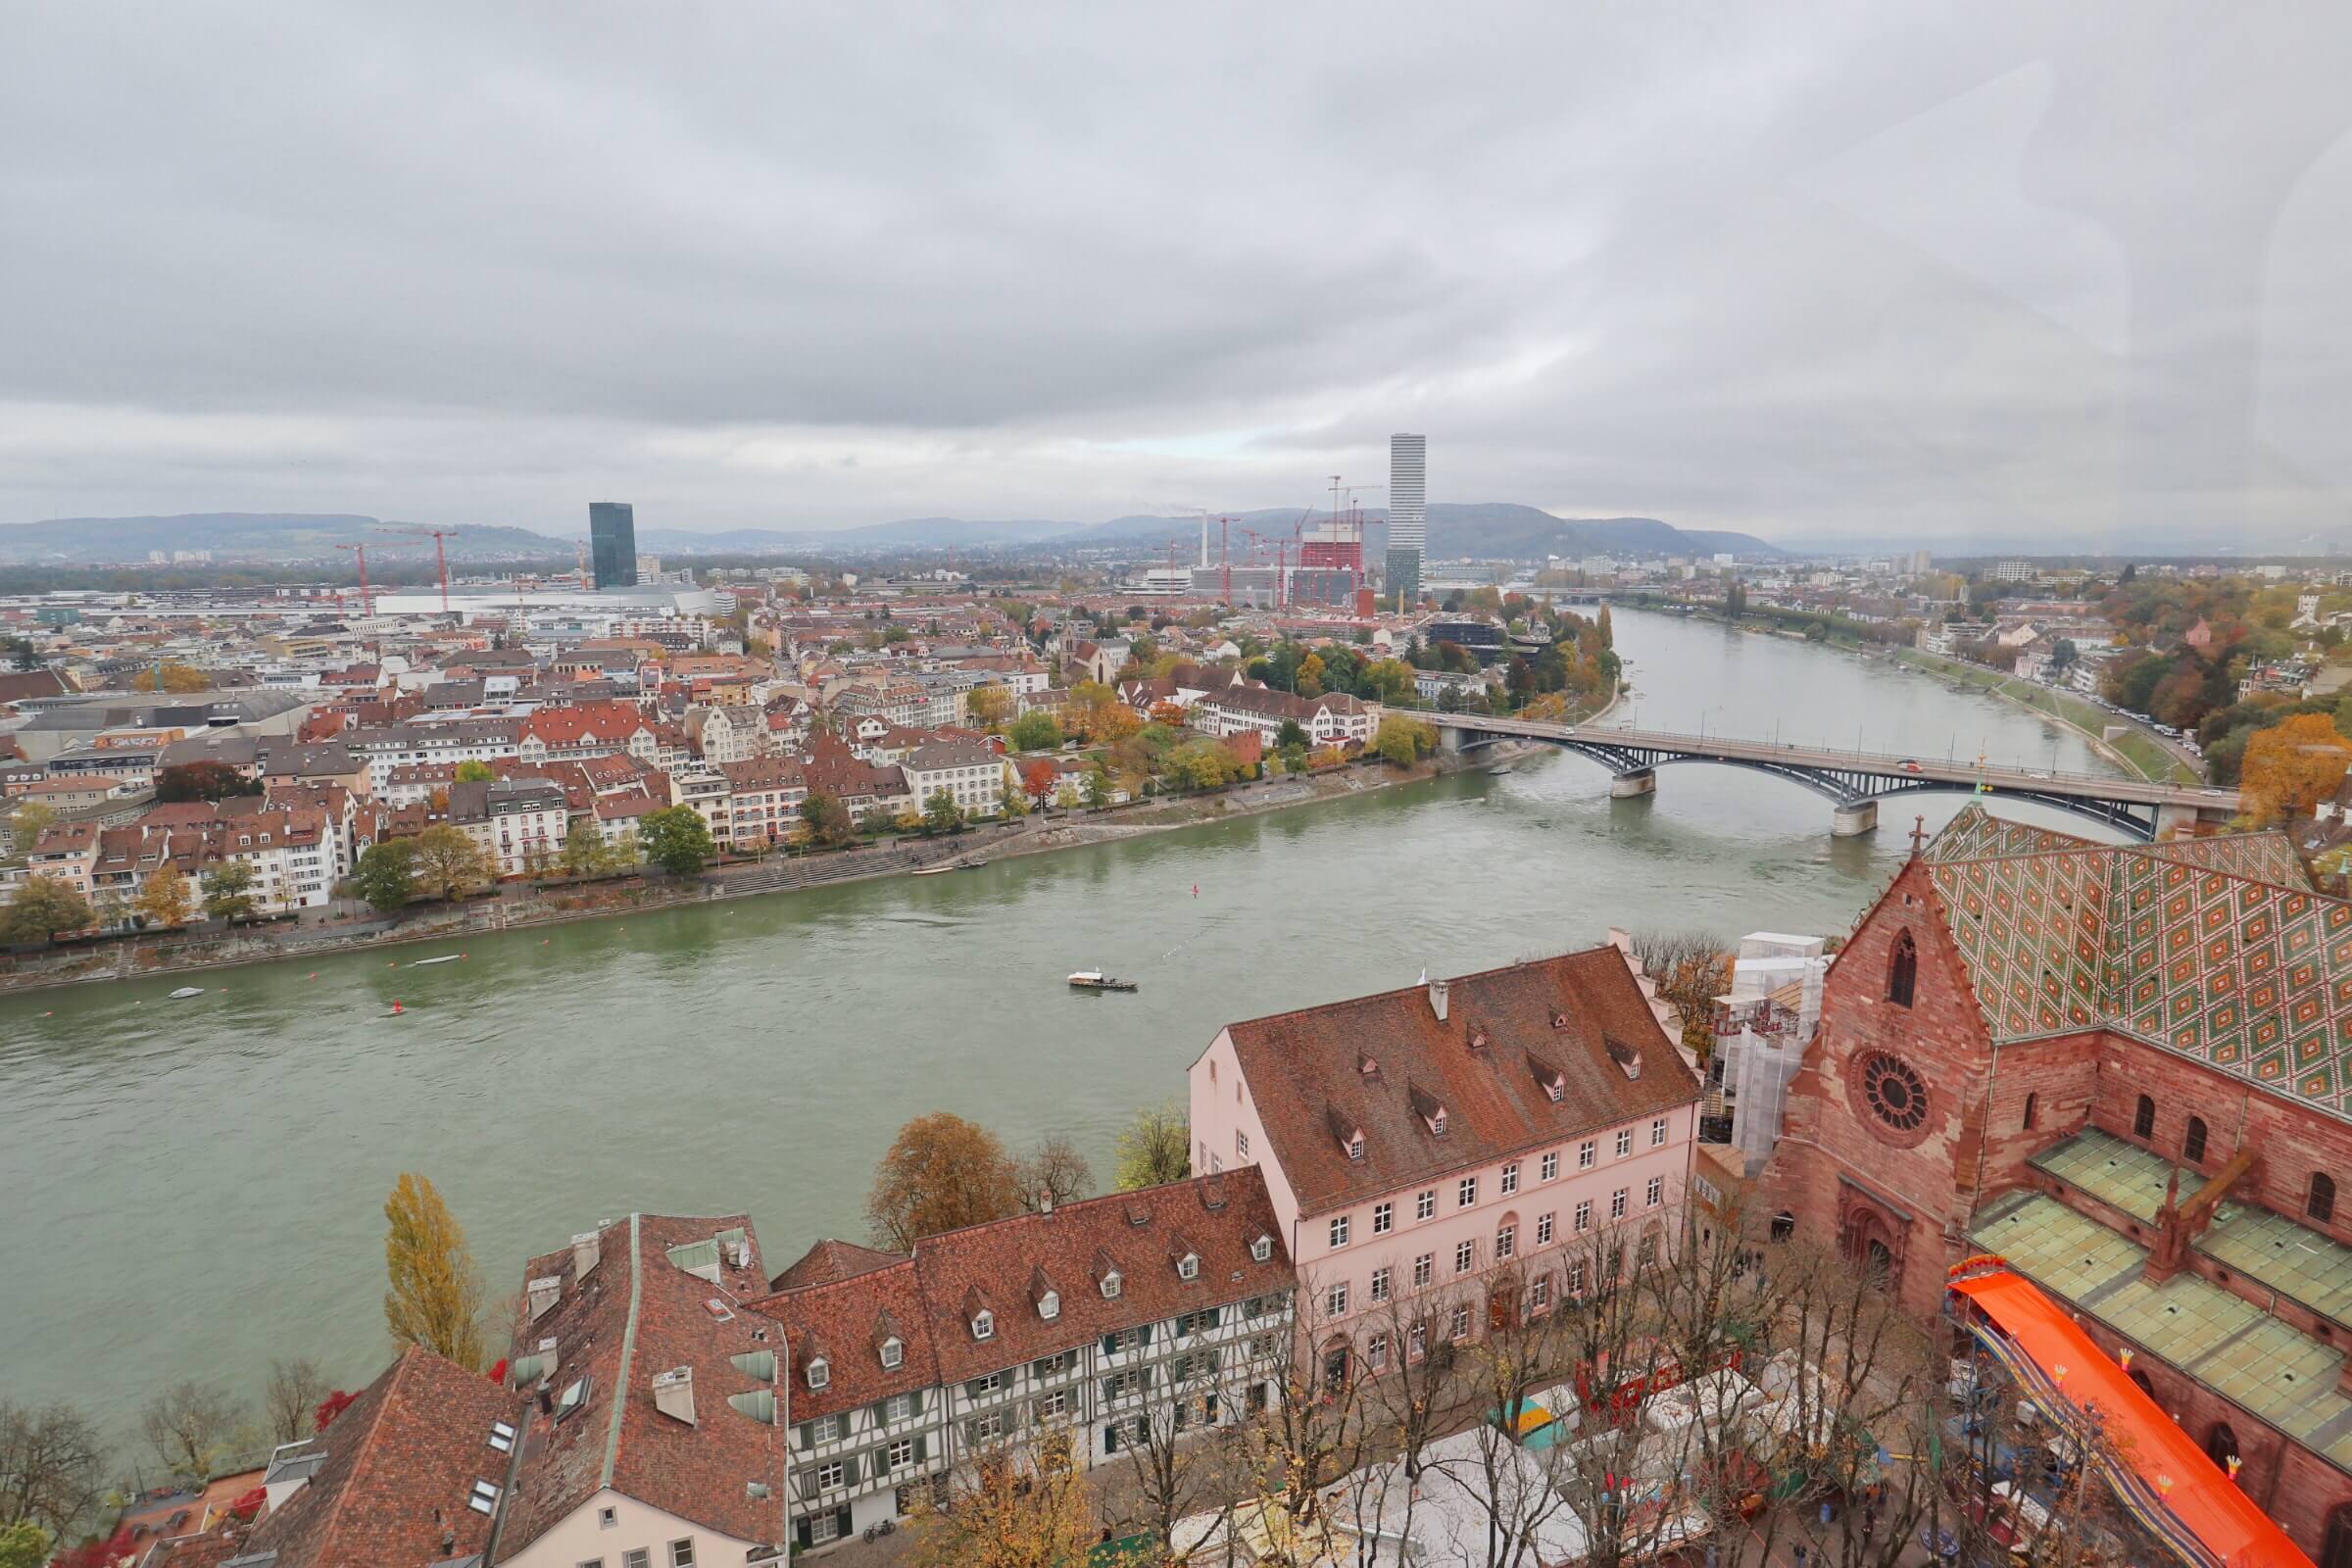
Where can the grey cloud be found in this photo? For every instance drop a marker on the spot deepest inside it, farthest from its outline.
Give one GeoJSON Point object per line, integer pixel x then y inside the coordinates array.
{"type": "Point", "coordinates": [1835, 271]}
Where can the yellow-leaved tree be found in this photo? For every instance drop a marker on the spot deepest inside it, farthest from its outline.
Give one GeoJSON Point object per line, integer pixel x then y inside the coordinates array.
{"type": "Point", "coordinates": [435, 1298]}
{"type": "Point", "coordinates": [2293, 766]}
{"type": "Point", "coordinates": [166, 900]}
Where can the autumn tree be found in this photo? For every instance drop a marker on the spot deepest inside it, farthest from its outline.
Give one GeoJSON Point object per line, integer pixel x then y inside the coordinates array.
{"type": "Point", "coordinates": [1691, 969]}
{"type": "Point", "coordinates": [52, 1466]}
{"type": "Point", "coordinates": [1155, 1147]}
{"type": "Point", "coordinates": [1404, 740]}
{"type": "Point", "coordinates": [228, 892]}
{"type": "Point", "coordinates": [828, 820]}
{"type": "Point", "coordinates": [586, 852]}
{"type": "Point", "coordinates": [2293, 766]}
{"type": "Point", "coordinates": [449, 862]}
{"type": "Point", "coordinates": [1201, 764]}
{"type": "Point", "coordinates": [435, 1295]}
{"type": "Point", "coordinates": [989, 706]}
{"type": "Point", "coordinates": [191, 1427]}
{"type": "Point", "coordinates": [1039, 780]}
{"type": "Point", "coordinates": [30, 822]}
{"type": "Point", "coordinates": [1022, 1503]}
{"type": "Point", "coordinates": [1054, 1168]}
{"type": "Point", "coordinates": [44, 908]}
{"type": "Point", "coordinates": [291, 1398]}
{"type": "Point", "coordinates": [166, 900]}
{"type": "Point", "coordinates": [24, 1544]}
{"type": "Point", "coordinates": [474, 771]}
{"type": "Point", "coordinates": [176, 677]}
{"type": "Point", "coordinates": [941, 1173]}
{"type": "Point", "coordinates": [386, 874]}
{"type": "Point", "coordinates": [941, 813]}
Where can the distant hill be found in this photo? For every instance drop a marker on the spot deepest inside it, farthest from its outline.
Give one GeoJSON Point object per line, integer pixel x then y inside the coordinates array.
{"type": "Point", "coordinates": [248, 536]}
{"type": "Point", "coordinates": [1490, 528]}
{"type": "Point", "coordinates": [1455, 528]}
{"type": "Point", "coordinates": [913, 533]}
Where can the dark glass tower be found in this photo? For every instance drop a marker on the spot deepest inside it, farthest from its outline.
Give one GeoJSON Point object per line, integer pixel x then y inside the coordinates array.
{"type": "Point", "coordinates": [612, 543]}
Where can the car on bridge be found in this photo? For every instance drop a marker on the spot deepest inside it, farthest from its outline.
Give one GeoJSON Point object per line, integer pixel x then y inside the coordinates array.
{"type": "Point", "coordinates": [1910, 766]}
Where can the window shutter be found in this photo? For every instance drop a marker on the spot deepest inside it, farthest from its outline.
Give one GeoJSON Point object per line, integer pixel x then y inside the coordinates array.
{"type": "Point", "coordinates": [1143, 1336]}
{"type": "Point", "coordinates": [848, 1470]}
{"type": "Point", "coordinates": [841, 1520]}
{"type": "Point", "coordinates": [922, 1447]}
{"type": "Point", "coordinates": [800, 1436]}
{"type": "Point", "coordinates": [802, 1535]}
{"type": "Point", "coordinates": [914, 1402]}
{"type": "Point", "coordinates": [881, 1412]}
{"type": "Point", "coordinates": [1110, 1345]}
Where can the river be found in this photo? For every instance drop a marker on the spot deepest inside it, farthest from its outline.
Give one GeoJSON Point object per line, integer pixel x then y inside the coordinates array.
{"type": "Point", "coordinates": [194, 1187]}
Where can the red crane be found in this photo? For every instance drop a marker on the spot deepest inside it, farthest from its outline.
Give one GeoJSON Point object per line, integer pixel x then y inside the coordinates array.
{"type": "Point", "coordinates": [366, 600]}
{"type": "Point", "coordinates": [440, 556]}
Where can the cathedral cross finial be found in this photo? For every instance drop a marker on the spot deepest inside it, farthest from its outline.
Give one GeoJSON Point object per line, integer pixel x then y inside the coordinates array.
{"type": "Point", "coordinates": [1919, 835]}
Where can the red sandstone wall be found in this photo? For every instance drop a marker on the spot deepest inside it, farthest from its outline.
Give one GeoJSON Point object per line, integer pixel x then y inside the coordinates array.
{"type": "Point", "coordinates": [2293, 1139]}
{"type": "Point", "coordinates": [1829, 1135]}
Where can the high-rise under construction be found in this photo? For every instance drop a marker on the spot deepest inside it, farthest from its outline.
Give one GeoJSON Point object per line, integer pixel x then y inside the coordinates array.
{"type": "Point", "coordinates": [1408, 517]}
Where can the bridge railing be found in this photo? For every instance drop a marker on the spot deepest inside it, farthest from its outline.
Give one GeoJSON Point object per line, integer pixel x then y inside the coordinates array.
{"type": "Point", "coordinates": [1876, 761]}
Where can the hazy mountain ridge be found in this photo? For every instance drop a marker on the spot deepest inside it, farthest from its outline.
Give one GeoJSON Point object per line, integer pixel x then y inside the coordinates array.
{"type": "Point", "coordinates": [249, 535]}
{"type": "Point", "coordinates": [1490, 529]}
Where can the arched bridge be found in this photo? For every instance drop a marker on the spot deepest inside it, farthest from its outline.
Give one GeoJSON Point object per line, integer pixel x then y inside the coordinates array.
{"type": "Point", "coordinates": [1855, 782]}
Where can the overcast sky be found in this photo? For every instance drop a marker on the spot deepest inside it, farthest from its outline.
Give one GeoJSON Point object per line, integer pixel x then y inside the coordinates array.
{"type": "Point", "coordinates": [2065, 272]}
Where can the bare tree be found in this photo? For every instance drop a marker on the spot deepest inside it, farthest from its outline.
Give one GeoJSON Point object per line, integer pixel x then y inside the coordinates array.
{"type": "Point", "coordinates": [1179, 1440]}
{"type": "Point", "coordinates": [52, 1466]}
{"type": "Point", "coordinates": [1691, 969]}
{"type": "Point", "coordinates": [290, 1400]}
{"type": "Point", "coordinates": [191, 1427]}
{"type": "Point", "coordinates": [1054, 1168]}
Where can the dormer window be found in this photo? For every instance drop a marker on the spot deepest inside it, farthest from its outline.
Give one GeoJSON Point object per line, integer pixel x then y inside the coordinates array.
{"type": "Point", "coordinates": [820, 1372]}
{"type": "Point", "coordinates": [1261, 1249]}
{"type": "Point", "coordinates": [1554, 1088]}
{"type": "Point", "coordinates": [1437, 1124]}
{"type": "Point", "coordinates": [984, 1325]}
{"type": "Point", "coordinates": [894, 1354]}
{"type": "Point", "coordinates": [1049, 1306]}
{"type": "Point", "coordinates": [1355, 1147]}
{"type": "Point", "coordinates": [1188, 1266]}
{"type": "Point", "coordinates": [1110, 1285]}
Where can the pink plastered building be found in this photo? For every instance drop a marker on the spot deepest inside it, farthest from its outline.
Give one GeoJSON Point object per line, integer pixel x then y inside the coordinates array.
{"type": "Point", "coordinates": [1457, 1152]}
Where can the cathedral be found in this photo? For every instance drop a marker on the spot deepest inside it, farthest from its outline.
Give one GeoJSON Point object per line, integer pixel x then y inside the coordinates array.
{"type": "Point", "coordinates": [2128, 1071]}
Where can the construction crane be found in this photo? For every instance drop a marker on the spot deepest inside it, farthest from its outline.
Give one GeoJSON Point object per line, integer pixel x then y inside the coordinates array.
{"type": "Point", "coordinates": [366, 600]}
{"type": "Point", "coordinates": [440, 556]}
{"type": "Point", "coordinates": [579, 550]}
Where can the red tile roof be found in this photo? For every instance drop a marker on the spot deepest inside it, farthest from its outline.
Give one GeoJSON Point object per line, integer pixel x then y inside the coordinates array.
{"type": "Point", "coordinates": [1006, 1264]}
{"type": "Point", "coordinates": [830, 1261]}
{"type": "Point", "coordinates": [1505, 1031]}
{"type": "Point", "coordinates": [636, 1314]}
{"type": "Point", "coordinates": [401, 1462]}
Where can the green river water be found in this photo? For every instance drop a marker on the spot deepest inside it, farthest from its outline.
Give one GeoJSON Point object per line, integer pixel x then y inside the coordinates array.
{"type": "Point", "coordinates": [194, 1187]}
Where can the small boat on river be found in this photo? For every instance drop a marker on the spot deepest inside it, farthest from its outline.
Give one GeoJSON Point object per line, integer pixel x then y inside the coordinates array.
{"type": "Point", "coordinates": [1097, 980]}
{"type": "Point", "coordinates": [446, 958]}
{"type": "Point", "coordinates": [185, 992]}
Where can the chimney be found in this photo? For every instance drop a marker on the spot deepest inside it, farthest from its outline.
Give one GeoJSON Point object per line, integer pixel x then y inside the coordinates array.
{"type": "Point", "coordinates": [1044, 1199]}
{"type": "Point", "coordinates": [1437, 998]}
{"type": "Point", "coordinates": [545, 1290]}
{"type": "Point", "coordinates": [586, 1247]}
{"type": "Point", "coordinates": [674, 1392]}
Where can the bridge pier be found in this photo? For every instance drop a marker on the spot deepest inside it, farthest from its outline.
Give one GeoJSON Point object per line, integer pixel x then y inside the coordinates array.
{"type": "Point", "coordinates": [1853, 820]}
{"type": "Point", "coordinates": [1633, 786]}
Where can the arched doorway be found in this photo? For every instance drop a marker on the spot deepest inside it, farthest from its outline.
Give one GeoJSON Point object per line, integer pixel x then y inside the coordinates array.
{"type": "Point", "coordinates": [2335, 1550]}
{"type": "Point", "coordinates": [2220, 1444]}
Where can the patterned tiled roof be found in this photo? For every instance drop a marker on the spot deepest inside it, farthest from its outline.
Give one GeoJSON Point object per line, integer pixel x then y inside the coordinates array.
{"type": "Point", "coordinates": [2217, 949]}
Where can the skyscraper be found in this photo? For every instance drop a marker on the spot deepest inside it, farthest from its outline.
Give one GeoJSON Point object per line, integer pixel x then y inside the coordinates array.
{"type": "Point", "coordinates": [1408, 515]}
{"type": "Point", "coordinates": [612, 543]}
